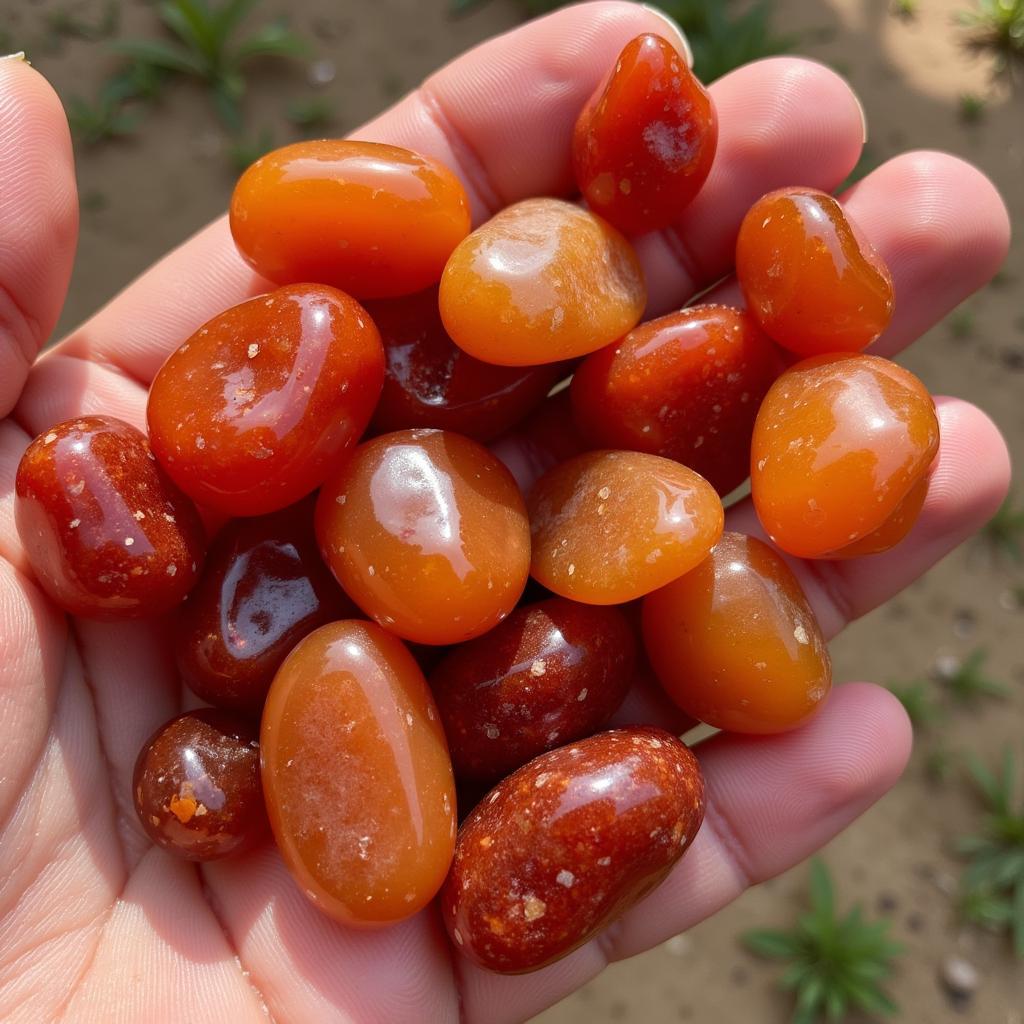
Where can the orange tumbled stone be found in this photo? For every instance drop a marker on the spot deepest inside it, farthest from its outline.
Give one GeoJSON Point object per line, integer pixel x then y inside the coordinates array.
{"type": "Point", "coordinates": [735, 643]}
{"type": "Point", "coordinates": [541, 281]}
{"type": "Point", "coordinates": [609, 526]}
{"type": "Point", "coordinates": [356, 775]}
{"type": "Point", "coordinates": [685, 386]}
{"type": "Point", "coordinates": [841, 445]}
{"type": "Point", "coordinates": [644, 143]}
{"type": "Point", "coordinates": [813, 282]}
{"type": "Point", "coordinates": [427, 533]}
{"type": "Point", "coordinates": [257, 407]}
{"type": "Point", "coordinates": [371, 219]}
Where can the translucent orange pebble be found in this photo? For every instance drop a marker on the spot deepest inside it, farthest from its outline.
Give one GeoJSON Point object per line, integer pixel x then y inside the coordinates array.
{"type": "Point", "coordinates": [735, 643]}
{"type": "Point", "coordinates": [813, 282]}
{"type": "Point", "coordinates": [609, 527]}
{"type": "Point", "coordinates": [370, 219]}
{"type": "Point", "coordinates": [541, 281]}
{"type": "Point", "coordinates": [645, 141]}
{"type": "Point", "coordinates": [841, 450]}
{"type": "Point", "coordinates": [427, 532]}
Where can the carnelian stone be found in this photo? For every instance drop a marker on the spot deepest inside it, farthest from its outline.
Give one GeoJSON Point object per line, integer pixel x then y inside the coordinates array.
{"type": "Point", "coordinates": [427, 533]}
{"type": "Point", "coordinates": [839, 445]}
{"type": "Point", "coordinates": [430, 382]}
{"type": "Point", "coordinates": [569, 843]}
{"type": "Point", "coordinates": [107, 534]}
{"type": "Point", "coordinates": [609, 527]}
{"type": "Point", "coordinates": [357, 777]}
{"type": "Point", "coordinates": [196, 786]}
{"type": "Point", "coordinates": [541, 281]}
{"type": "Point", "coordinates": [371, 219]}
{"type": "Point", "coordinates": [686, 386]}
{"type": "Point", "coordinates": [735, 643]}
{"type": "Point", "coordinates": [552, 672]}
{"type": "Point", "coordinates": [813, 282]}
{"type": "Point", "coordinates": [894, 529]}
{"type": "Point", "coordinates": [264, 587]}
{"type": "Point", "coordinates": [254, 410]}
{"type": "Point", "coordinates": [644, 143]}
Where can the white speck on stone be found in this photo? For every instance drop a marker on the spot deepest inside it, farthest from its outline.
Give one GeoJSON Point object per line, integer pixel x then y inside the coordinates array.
{"type": "Point", "coordinates": [408, 719]}
{"type": "Point", "coordinates": [582, 695]}
{"type": "Point", "coordinates": [50, 438]}
{"type": "Point", "coordinates": [458, 936]}
{"type": "Point", "coordinates": [341, 499]}
{"type": "Point", "coordinates": [74, 524]}
{"type": "Point", "coordinates": [565, 878]}
{"type": "Point", "coordinates": [800, 634]}
{"type": "Point", "coordinates": [538, 668]}
{"type": "Point", "coordinates": [372, 571]}
{"type": "Point", "coordinates": [491, 731]}
{"type": "Point", "coordinates": [571, 568]}
{"type": "Point", "coordinates": [604, 493]}
{"type": "Point", "coordinates": [129, 541]}
{"type": "Point", "coordinates": [169, 517]}
{"type": "Point", "coordinates": [77, 489]}
{"type": "Point", "coordinates": [172, 570]}
{"type": "Point", "coordinates": [253, 350]}
{"type": "Point", "coordinates": [604, 861]}
{"type": "Point", "coordinates": [534, 908]}
{"type": "Point", "coordinates": [541, 779]}
{"type": "Point", "coordinates": [200, 442]}
{"type": "Point", "coordinates": [364, 845]}
{"type": "Point", "coordinates": [140, 515]}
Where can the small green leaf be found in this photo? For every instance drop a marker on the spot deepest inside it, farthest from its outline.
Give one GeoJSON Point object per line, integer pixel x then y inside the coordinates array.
{"type": "Point", "coordinates": [772, 944]}
{"type": "Point", "coordinates": [822, 896]}
{"type": "Point", "coordinates": [273, 40]}
{"type": "Point", "coordinates": [161, 55]}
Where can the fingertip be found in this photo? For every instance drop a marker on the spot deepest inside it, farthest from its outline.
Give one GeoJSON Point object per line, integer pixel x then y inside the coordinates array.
{"type": "Point", "coordinates": [972, 473]}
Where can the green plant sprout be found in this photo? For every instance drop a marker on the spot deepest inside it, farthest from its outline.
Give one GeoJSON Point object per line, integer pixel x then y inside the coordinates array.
{"type": "Point", "coordinates": [104, 119]}
{"type": "Point", "coordinates": [208, 47]}
{"type": "Point", "coordinates": [961, 323]}
{"type": "Point", "coordinates": [939, 764]}
{"type": "Point", "coordinates": [905, 9]}
{"type": "Point", "coordinates": [1003, 534]}
{"type": "Point", "coordinates": [997, 27]}
{"type": "Point", "coordinates": [918, 702]}
{"type": "Point", "coordinates": [971, 107]}
{"type": "Point", "coordinates": [837, 963]}
{"type": "Point", "coordinates": [310, 115]}
{"type": "Point", "coordinates": [722, 34]}
{"type": "Point", "coordinates": [243, 152]}
{"type": "Point", "coordinates": [992, 885]}
{"type": "Point", "coordinates": [968, 683]}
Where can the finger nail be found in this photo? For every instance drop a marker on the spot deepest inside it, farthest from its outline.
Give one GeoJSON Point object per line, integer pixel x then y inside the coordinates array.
{"type": "Point", "coordinates": [863, 116]}
{"type": "Point", "coordinates": [20, 55]}
{"type": "Point", "coordinates": [676, 35]}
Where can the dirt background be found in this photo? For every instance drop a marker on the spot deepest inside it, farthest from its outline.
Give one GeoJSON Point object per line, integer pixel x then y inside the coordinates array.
{"type": "Point", "coordinates": [146, 194]}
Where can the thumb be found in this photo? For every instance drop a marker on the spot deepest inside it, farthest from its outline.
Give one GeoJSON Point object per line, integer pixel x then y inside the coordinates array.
{"type": "Point", "coordinates": [38, 219]}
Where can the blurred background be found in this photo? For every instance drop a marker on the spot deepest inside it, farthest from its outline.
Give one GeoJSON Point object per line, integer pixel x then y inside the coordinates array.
{"type": "Point", "coordinates": [169, 101]}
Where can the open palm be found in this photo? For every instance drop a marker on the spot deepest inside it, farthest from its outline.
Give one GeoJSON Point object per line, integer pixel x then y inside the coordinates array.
{"type": "Point", "coordinates": [98, 925]}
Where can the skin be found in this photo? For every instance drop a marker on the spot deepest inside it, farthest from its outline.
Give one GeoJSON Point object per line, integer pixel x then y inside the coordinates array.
{"type": "Point", "coordinates": [140, 937]}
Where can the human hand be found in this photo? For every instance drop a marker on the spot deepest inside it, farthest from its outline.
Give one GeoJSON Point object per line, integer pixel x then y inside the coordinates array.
{"type": "Point", "coordinates": [99, 925]}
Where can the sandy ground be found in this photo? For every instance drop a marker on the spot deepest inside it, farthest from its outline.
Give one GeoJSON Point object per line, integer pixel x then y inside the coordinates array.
{"type": "Point", "coordinates": [145, 195]}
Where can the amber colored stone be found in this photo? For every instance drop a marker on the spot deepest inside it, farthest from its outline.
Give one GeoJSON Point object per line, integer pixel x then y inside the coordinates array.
{"type": "Point", "coordinates": [893, 530]}
{"type": "Point", "coordinates": [430, 382]}
{"type": "Point", "coordinates": [252, 412]}
{"type": "Point", "coordinates": [735, 642]}
{"type": "Point", "coordinates": [371, 219]}
{"type": "Point", "coordinates": [552, 672]}
{"type": "Point", "coordinates": [609, 527]}
{"type": "Point", "coordinates": [106, 532]}
{"type": "Point", "coordinates": [357, 777]}
{"type": "Point", "coordinates": [263, 588]}
{"type": "Point", "coordinates": [839, 445]}
{"type": "Point", "coordinates": [197, 786]}
{"type": "Point", "coordinates": [569, 843]}
{"type": "Point", "coordinates": [812, 281]}
{"type": "Point", "coordinates": [427, 533]}
{"type": "Point", "coordinates": [644, 142]}
{"type": "Point", "coordinates": [541, 281]}
{"type": "Point", "coordinates": [686, 386]}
